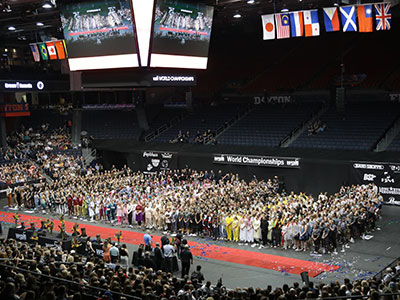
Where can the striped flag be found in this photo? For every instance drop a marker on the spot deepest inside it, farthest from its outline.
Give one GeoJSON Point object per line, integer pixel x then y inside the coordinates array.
{"type": "Point", "coordinates": [282, 26]}
{"type": "Point", "coordinates": [296, 23]}
{"type": "Point", "coordinates": [35, 52]}
{"type": "Point", "coordinates": [65, 48]}
{"type": "Point", "coordinates": [51, 50]}
{"type": "Point", "coordinates": [60, 49]}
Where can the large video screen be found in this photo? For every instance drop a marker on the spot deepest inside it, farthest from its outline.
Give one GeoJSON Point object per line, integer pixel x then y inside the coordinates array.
{"type": "Point", "coordinates": [181, 34]}
{"type": "Point", "coordinates": [99, 35]}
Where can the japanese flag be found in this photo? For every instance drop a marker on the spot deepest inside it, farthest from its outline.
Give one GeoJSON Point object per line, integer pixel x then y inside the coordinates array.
{"type": "Point", "coordinates": [268, 25]}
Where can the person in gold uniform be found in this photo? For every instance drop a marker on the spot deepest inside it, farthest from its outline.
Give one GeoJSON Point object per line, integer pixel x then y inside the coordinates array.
{"type": "Point", "coordinates": [229, 223]}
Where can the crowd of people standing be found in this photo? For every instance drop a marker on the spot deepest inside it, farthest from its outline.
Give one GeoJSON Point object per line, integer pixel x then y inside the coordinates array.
{"type": "Point", "coordinates": [215, 205]}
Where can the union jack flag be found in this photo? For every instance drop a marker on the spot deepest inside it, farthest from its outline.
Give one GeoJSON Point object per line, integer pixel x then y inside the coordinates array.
{"type": "Point", "coordinates": [383, 16]}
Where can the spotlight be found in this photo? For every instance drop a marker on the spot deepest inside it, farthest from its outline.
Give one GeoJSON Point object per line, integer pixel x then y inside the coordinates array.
{"type": "Point", "coordinates": [284, 10]}
{"type": "Point", "coordinates": [336, 4]}
{"type": "Point", "coordinates": [251, 1]}
{"type": "Point", "coordinates": [12, 28]}
{"type": "Point", "coordinates": [39, 24]}
{"type": "Point", "coordinates": [237, 16]}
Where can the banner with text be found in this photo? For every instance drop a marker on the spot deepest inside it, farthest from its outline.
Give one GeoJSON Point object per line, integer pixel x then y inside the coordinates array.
{"type": "Point", "coordinates": [280, 99]}
{"type": "Point", "coordinates": [386, 176]}
{"type": "Point", "coordinates": [160, 160]}
{"type": "Point", "coordinates": [14, 110]}
{"type": "Point", "coordinates": [257, 161]}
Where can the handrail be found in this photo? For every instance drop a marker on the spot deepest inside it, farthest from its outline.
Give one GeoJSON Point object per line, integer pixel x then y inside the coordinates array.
{"type": "Point", "coordinates": [69, 281]}
{"type": "Point", "coordinates": [380, 273]}
{"type": "Point", "coordinates": [388, 136]}
{"type": "Point", "coordinates": [162, 128]}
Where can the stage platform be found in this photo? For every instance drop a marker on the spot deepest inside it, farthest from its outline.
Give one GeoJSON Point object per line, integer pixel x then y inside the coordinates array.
{"type": "Point", "coordinates": [242, 266]}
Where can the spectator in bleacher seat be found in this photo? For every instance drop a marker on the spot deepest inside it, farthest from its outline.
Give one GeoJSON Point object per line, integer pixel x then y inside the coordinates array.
{"type": "Point", "coordinates": [198, 139]}
{"type": "Point", "coordinates": [316, 127]}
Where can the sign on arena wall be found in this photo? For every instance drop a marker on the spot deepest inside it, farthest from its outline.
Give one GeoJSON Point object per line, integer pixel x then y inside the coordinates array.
{"type": "Point", "coordinates": [257, 161]}
{"type": "Point", "coordinates": [273, 99]}
{"type": "Point", "coordinates": [163, 79]}
{"type": "Point", "coordinates": [155, 161]}
{"type": "Point", "coordinates": [386, 176]}
{"type": "Point", "coordinates": [21, 85]}
{"type": "Point", "coordinates": [14, 110]}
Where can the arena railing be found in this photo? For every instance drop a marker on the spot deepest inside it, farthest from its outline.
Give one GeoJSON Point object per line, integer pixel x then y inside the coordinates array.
{"type": "Point", "coordinates": [86, 288]}
{"type": "Point", "coordinates": [359, 297]}
{"type": "Point", "coordinates": [379, 275]}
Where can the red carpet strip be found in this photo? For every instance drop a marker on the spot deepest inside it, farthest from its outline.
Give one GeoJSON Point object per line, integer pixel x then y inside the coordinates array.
{"type": "Point", "coordinates": [203, 250]}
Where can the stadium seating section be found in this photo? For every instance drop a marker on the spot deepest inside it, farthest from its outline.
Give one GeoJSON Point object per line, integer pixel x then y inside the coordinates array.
{"type": "Point", "coordinates": [268, 125]}
{"type": "Point", "coordinates": [359, 128]}
{"type": "Point", "coordinates": [208, 118]}
{"type": "Point", "coordinates": [111, 124]}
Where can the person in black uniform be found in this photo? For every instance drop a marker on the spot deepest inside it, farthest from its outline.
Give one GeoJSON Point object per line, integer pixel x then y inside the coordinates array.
{"type": "Point", "coordinates": [147, 261]}
{"type": "Point", "coordinates": [164, 239]}
{"type": "Point", "coordinates": [215, 227]}
{"type": "Point", "coordinates": [316, 237]}
{"type": "Point", "coordinates": [264, 230]}
{"type": "Point", "coordinates": [197, 223]}
{"type": "Point", "coordinates": [325, 238]}
{"type": "Point", "coordinates": [186, 259]}
{"type": "Point", "coordinates": [333, 236]}
{"type": "Point", "coordinates": [179, 222]}
{"type": "Point", "coordinates": [192, 222]}
{"type": "Point", "coordinates": [158, 257]}
{"type": "Point", "coordinates": [18, 198]}
{"type": "Point", "coordinates": [361, 222]}
{"type": "Point", "coordinates": [351, 220]}
{"type": "Point", "coordinates": [186, 222]}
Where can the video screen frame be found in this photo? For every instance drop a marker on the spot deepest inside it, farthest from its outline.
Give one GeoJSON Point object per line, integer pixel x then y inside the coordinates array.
{"type": "Point", "coordinates": [100, 35]}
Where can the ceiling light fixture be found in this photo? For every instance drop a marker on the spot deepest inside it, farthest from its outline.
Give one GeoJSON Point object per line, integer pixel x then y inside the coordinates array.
{"type": "Point", "coordinates": [237, 15]}
{"type": "Point", "coordinates": [47, 5]}
{"type": "Point", "coordinates": [251, 1]}
{"type": "Point", "coordinates": [284, 10]}
{"type": "Point", "coordinates": [11, 28]}
{"type": "Point", "coordinates": [39, 24]}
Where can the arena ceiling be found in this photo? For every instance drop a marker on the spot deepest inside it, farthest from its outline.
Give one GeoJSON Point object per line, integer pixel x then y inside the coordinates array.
{"type": "Point", "coordinates": [35, 20]}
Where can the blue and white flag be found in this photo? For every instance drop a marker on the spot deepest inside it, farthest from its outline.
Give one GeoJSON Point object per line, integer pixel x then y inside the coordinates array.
{"type": "Point", "coordinates": [348, 16]}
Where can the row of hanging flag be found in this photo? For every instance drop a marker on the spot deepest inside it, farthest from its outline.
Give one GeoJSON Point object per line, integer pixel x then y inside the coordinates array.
{"type": "Point", "coordinates": [49, 50]}
{"type": "Point", "coordinates": [306, 23]}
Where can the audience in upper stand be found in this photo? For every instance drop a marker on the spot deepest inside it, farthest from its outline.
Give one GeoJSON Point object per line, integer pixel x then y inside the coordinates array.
{"type": "Point", "coordinates": [208, 136]}
{"type": "Point", "coordinates": [22, 172]}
